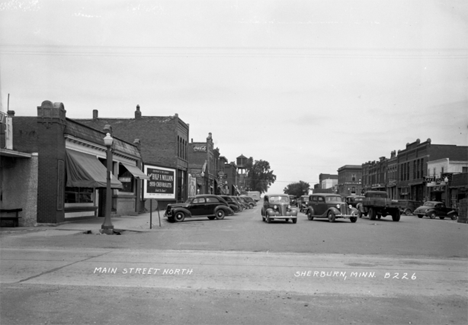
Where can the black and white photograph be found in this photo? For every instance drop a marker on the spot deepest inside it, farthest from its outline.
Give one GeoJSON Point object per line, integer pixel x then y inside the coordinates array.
{"type": "Point", "coordinates": [234, 162]}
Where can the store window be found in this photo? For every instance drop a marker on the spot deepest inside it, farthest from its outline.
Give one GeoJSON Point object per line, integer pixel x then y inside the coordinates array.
{"type": "Point", "coordinates": [78, 195]}
{"type": "Point", "coordinates": [126, 178]}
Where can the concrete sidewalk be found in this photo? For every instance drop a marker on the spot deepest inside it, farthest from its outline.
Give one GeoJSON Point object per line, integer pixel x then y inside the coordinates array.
{"type": "Point", "coordinates": [138, 223]}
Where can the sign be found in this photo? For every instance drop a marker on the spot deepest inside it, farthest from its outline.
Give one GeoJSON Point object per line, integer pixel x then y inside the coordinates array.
{"type": "Point", "coordinates": [161, 183]}
{"type": "Point", "coordinates": [199, 148]}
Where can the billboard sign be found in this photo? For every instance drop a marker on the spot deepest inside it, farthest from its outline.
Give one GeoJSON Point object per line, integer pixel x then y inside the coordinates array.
{"type": "Point", "coordinates": [161, 183]}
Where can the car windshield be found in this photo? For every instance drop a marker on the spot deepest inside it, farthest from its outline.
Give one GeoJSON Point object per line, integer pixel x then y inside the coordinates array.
{"type": "Point", "coordinates": [279, 199]}
{"type": "Point", "coordinates": [333, 199]}
{"type": "Point", "coordinates": [189, 200]}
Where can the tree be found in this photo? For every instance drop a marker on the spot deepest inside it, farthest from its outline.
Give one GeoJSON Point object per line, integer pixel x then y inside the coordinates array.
{"type": "Point", "coordinates": [259, 175]}
{"type": "Point", "coordinates": [297, 189]}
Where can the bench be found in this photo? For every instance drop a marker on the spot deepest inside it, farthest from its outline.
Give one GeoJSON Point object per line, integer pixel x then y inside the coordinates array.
{"type": "Point", "coordinates": [11, 215]}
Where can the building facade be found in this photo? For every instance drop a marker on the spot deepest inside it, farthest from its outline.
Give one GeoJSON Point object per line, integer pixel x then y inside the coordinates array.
{"type": "Point", "coordinates": [71, 168]}
{"type": "Point", "coordinates": [349, 180]}
{"type": "Point", "coordinates": [164, 150]}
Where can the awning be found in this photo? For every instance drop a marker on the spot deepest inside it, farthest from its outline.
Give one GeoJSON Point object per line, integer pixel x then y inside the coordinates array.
{"type": "Point", "coordinates": [84, 170]}
{"type": "Point", "coordinates": [135, 171]}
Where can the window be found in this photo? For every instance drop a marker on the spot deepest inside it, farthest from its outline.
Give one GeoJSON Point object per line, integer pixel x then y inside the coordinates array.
{"type": "Point", "coordinates": [353, 177]}
{"type": "Point", "coordinates": [199, 200]}
{"type": "Point", "coordinates": [78, 195]}
{"type": "Point", "coordinates": [126, 178]}
{"type": "Point", "coordinates": [464, 169]}
{"type": "Point", "coordinates": [212, 200]}
{"type": "Point", "coordinates": [320, 199]}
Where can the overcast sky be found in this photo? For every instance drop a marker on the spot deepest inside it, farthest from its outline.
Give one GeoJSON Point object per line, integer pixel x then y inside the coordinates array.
{"type": "Point", "coordinates": [308, 85]}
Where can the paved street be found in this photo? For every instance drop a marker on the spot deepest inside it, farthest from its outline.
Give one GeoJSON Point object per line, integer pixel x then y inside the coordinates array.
{"type": "Point", "coordinates": [240, 271]}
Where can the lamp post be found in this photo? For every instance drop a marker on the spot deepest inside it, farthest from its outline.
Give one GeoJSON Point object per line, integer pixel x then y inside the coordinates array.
{"type": "Point", "coordinates": [107, 226]}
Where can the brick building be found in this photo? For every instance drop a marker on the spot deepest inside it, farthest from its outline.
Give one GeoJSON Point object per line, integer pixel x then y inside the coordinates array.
{"type": "Point", "coordinates": [202, 165]}
{"type": "Point", "coordinates": [164, 151]}
{"type": "Point", "coordinates": [413, 166]}
{"type": "Point", "coordinates": [349, 180]}
{"type": "Point", "coordinates": [70, 178]}
{"type": "Point", "coordinates": [327, 184]}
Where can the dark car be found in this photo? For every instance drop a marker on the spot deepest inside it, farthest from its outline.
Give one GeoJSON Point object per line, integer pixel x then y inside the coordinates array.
{"type": "Point", "coordinates": [354, 200]}
{"type": "Point", "coordinates": [330, 206]}
{"type": "Point", "coordinates": [278, 206]}
{"type": "Point", "coordinates": [241, 203]}
{"type": "Point", "coordinates": [233, 203]}
{"type": "Point", "coordinates": [203, 205]}
{"type": "Point", "coordinates": [249, 200]}
{"type": "Point", "coordinates": [434, 209]}
{"type": "Point", "coordinates": [248, 203]}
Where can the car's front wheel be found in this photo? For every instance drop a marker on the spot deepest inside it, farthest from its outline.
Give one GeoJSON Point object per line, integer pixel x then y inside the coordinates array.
{"type": "Point", "coordinates": [353, 219]}
{"type": "Point", "coordinates": [331, 216]}
{"type": "Point", "coordinates": [179, 216]}
{"type": "Point", "coordinates": [294, 220]}
{"type": "Point", "coordinates": [220, 214]}
{"type": "Point", "coordinates": [309, 215]}
{"type": "Point", "coordinates": [432, 215]}
{"type": "Point", "coordinates": [454, 217]}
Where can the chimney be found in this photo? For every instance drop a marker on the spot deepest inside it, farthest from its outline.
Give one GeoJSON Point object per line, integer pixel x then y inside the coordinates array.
{"type": "Point", "coordinates": [95, 114]}
{"type": "Point", "coordinates": [137, 112]}
{"type": "Point", "coordinates": [137, 143]}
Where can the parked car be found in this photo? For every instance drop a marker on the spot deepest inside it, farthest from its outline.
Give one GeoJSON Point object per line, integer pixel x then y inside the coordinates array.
{"type": "Point", "coordinates": [278, 206]}
{"type": "Point", "coordinates": [241, 202]}
{"type": "Point", "coordinates": [249, 204]}
{"type": "Point", "coordinates": [434, 209]}
{"type": "Point", "coordinates": [233, 204]}
{"type": "Point", "coordinates": [203, 205]}
{"type": "Point", "coordinates": [330, 206]}
{"type": "Point", "coordinates": [249, 200]}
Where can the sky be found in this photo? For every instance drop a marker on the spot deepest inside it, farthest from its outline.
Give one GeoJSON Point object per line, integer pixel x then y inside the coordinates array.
{"type": "Point", "coordinates": [309, 86]}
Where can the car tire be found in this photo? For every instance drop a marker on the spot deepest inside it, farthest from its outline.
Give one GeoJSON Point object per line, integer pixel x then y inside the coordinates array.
{"type": "Point", "coordinates": [331, 216]}
{"type": "Point", "coordinates": [294, 220]}
{"type": "Point", "coordinates": [353, 219]}
{"type": "Point", "coordinates": [170, 219]}
{"type": "Point", "coordinates": [371, 214]}
{"type": "Point", "coordinates": [432, 215]}
{"type": "Point", "coordinates": [220, 214]}
{"type": "Point", "coordinates": [287, 220]}
{"type": "Point", "coordinates": [309, 215]}
{"type": "Point", "coordinates": [359, 214]}
{"type": "Point", "coordinates": [408, 212]}
{"type": "Point", "coordinates": [420, 217]}
{"type": "Point", "coordinates": [441, 217]}
{"type": "Point", "coordinates": [267, 219]}
{"type": "Point", "coordinates": [454, 217]}
{"type": "Point", "coordinates": [179, 216]}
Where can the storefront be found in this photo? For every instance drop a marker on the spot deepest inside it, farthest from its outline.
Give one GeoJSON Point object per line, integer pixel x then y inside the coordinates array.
{"type": "Point", "coordinates": [72, 167]}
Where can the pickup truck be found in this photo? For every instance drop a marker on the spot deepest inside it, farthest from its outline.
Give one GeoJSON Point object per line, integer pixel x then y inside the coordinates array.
{"type": "Point", "coordinates": [376, 204]}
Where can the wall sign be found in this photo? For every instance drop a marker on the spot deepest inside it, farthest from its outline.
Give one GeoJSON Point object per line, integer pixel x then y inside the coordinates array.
{"type": "Point", "coordinates": [161, 183]}
{"type": "Point", "coordinates": [200, 148]}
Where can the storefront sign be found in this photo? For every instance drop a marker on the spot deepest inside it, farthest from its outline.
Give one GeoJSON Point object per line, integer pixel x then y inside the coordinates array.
{"type": "Point", "coordinates": [161, 183]}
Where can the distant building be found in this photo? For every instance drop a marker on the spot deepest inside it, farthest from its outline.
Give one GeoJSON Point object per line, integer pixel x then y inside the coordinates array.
{"type": "Point", "coordinates": [327, 184]}
{"type": "Point", "coordinates": [349, 180]}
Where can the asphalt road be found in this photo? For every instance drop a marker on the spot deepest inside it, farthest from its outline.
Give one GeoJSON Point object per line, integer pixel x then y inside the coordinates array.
{"type": "Point", "coordinates": [240, 271]}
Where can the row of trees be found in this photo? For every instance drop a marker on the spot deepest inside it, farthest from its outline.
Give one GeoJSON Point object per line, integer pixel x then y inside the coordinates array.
{"type": "Point", "coordinates": [260, 178]}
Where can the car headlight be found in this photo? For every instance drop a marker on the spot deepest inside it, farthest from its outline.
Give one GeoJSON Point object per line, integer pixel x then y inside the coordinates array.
{"type": "Point", "coordinates": [350, 206]}
{"type": "Point", "coordinates": [338, 206]}
{"type": "Point", "coordinates": [275, 207]}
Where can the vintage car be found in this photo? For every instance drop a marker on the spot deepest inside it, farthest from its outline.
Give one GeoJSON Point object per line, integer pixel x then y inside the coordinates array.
{"type": "Point", "coordinates": [203, 205]}
{"type": "Point", "coordinates": [241, 203]}
{"type": "Point", "coordinates": [434, 209]}
{"type": "Point", "coordinates": [249, 204]}
{"type": "Point", "coordinates": [354, 200]}
{"type": "Point", "coordinates": [233, 204]}
{"type": "Point", "coordinates": [249, 200]}
{"type": "Point", "coordinates": [330, 206]}
{"type": "Point", "coordinates": [278, 206]}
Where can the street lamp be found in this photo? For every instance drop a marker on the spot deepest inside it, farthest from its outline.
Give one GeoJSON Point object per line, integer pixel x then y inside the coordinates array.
{"type": "Point", "coordinates": [107, 226]}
